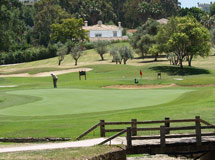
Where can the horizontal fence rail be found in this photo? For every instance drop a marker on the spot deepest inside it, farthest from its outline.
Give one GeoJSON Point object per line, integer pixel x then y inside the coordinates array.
{"type": "Point", "coordinates": [163, 129]}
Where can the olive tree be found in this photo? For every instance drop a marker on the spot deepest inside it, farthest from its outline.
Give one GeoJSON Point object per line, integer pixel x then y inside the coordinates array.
{"type": "Point", "coordinates": [101, 48]}
{"type": "Point", "coordinates": [61, 52]}
{"type": "Point", "coordinates": [116, 55]}
{"type": "Point", "coordinates": [126, 53]}
{"type": "Point", "coordinates": [76, 52]}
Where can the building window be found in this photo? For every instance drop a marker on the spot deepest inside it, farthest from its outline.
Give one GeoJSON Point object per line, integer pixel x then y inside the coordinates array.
{"type": "Point", "coordinates": [98, 35]}
{"type": "Point", "coordinates": [115, 33]}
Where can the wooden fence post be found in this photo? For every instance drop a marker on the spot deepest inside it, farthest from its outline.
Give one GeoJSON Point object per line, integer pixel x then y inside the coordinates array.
{"type": "Point", "coordinates": [167, 125]}
{"type": "Point", "coordinates": [198, 131]}
{"type": "Point", "coordinates": [162, 136]}
{"type": "Point", "coordinates": [128, 137]}
{"type": "Point", "coordinates": [134, 127]}
{"type": "Point", "coordinates": [102, 128]}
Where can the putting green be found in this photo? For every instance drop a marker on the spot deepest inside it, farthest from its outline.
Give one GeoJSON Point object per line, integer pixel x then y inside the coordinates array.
{"type": "Point", "coordinates": [76, 101]}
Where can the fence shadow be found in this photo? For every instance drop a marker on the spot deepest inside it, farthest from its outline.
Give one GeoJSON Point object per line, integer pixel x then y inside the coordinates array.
{"type": "Point", "coordinates": [176, 70]}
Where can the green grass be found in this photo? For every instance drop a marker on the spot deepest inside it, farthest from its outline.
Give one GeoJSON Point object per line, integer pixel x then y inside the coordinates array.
{"type": "Point", "coordinates": [78, 101]}
{"type": "Point", "coordinates": [61, 154]}
{"type": "Point", "coordinates": [36, 109]}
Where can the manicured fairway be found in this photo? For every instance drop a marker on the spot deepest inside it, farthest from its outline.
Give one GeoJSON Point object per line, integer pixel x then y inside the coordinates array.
{"type": "Point", "coordinates": [35, 109]}
{"type": "Point", "coordinates": [46, 102]}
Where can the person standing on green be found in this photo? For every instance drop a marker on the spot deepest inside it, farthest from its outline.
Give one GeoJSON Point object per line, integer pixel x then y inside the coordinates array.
{"type": "Point", "coordinates": [54, 77]}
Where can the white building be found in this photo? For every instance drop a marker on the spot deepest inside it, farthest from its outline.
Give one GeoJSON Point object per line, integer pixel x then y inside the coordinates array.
{"type": "Point", "coordinates": [104, 32]}
{"type": "Point", "coordinates": [28, 2]}
{"type": "Point", "coordinates": [205, 6]}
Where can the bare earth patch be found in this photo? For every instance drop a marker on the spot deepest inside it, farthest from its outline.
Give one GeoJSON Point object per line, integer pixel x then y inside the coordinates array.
{"type": "Point", "coordinates": [46, 74]}
{"type": "Point", "coordinates": [131, 86]}
{"type": "Point", "coordinates": [11, 86]}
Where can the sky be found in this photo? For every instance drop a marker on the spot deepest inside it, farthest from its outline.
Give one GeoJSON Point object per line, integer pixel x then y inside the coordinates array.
{"type": "Point", "coordinates": [193, 3]}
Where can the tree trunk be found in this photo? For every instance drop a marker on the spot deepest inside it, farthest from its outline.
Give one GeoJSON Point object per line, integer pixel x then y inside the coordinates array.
{"type": "Point", "coordinates": [189, 63]}
{"type": "Point", "coordinates": [124, 61]}
{"type": "Point", "coordinates": [156, 57]}
{"type": "Point", "coordinates": [101, 55]}
{"type": "Point", "coordinates": [190, 60]}
{"type": "Point", "coordinates": [181, 63]}
{"type": "Point", "coordinates": [59, 62]}
{"type": "Point", "coordinates": [76, 62]}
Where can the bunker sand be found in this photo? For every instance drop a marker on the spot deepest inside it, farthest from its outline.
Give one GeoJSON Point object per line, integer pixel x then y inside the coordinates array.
{"type": "Point", "coordinates": [46, 74]}
{"type": "Point", "coordinates": [131, 86]}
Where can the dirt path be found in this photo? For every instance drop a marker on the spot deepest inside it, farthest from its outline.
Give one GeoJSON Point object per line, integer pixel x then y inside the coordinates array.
{"type": "Point", "coordinates": [75, 144]}
{"type": "Point", "coordinates": [46, 74]}
{"type": "Point", "coordinates": [155, 157]}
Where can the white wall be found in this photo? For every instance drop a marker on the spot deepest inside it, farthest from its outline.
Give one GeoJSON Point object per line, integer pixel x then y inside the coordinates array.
{"type": "Point", "coordinates": [106, 34]}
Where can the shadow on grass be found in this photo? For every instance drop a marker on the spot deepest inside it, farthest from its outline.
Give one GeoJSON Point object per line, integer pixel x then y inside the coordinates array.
{"type": "Point", "coordinates": [153, 61]}
{"type": "Point", "coordinates": [176, 70]}
{"type": "Point", "coordinates": [147, 56]}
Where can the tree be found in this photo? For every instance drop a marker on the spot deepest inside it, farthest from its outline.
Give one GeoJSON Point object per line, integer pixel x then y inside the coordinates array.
{"type": "Point", "coordinates": [154, 50]}
{"type": "Point", "coordinates": [61, 52]}
{"type": "Point", "coordinates": [27, 14]}
{"type": "Point", "coordinates": [178, 43]}
{"type": "Point", "coordinates": [199, 42]}
{"type": "Point", "coordinates": [101, 48]}
{"type": "Point", "coordinates": [212, 33]}
{"type": "Point", "coordinates": [76, 52]}
{"type": "Point", "coordinates": [116, 55]}
{"type": "Point", "coordinates": [212, 9]}
{"type": "Point", "coordinates": [173, 59]}
{"type": "Point", "coordinates": [12, 27]}
{"type": "Point", "coordinates": [144, 38]}
{"type": "Point", "coordinates": [194, 11]}
{"type": "Point", "coordinates": [137, 12]}
{"type": "Point", "coordinates": [48, 12]}
{"type": "Point", "coordinates": [208, 21]}
{"type": "Point", "coordinates": [126, 53]}
{"type": "Point", "coordinates": [68, 29]}
{"type": "Point", "coordinates": [90, 10]}
{"type": "Point", "coordinates": [186, 37]}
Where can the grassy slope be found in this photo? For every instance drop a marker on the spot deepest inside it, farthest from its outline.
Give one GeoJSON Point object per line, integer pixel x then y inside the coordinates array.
{"type": "Point", "coordinates": [198, 102]}
{"type": "Point", "coordinates": [78, 101]}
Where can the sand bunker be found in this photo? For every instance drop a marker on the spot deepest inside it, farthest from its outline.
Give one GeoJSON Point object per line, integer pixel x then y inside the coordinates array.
{"type": "Point", "coordinates": [46, 74]}
{"type": "Point", "coordinates": [11, 86]}
{"type": "Point", "coordinates": [131, 86]}
{"type": "Point", "coordinates": [139, 86]}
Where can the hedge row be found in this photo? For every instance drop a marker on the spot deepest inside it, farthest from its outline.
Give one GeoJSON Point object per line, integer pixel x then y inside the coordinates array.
{"type": "Point", "coordinates": [30, 54]}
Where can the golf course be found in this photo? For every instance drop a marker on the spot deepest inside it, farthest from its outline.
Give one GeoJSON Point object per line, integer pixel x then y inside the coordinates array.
{"type": "Point", "coordinates": [31, 107]}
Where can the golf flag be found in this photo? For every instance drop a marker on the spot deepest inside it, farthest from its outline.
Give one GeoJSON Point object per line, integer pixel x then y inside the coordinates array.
{"type": "Point", "coordinates": [141, 73]}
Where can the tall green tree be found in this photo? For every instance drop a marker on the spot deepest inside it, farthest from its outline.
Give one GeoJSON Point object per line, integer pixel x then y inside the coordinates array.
{"type": "Point", "coordinates": [212, 9]}
{"type": "Point", "coordinates": [48, 12]}
{"type": "Point", "coordinates": [186, 37]}
{"type": "Point", "coordinates": [68, 29]}
{"type": "Point", "coordinates": [12, 27]}
{"type": "Point", "coordinates": [193, 11]}
{"type": "Point", "coordinates": [144, 38]}
{"type": "Point", "coordinates": [90, 10]}
{"type": "Point", "coordinates": [140, 10]}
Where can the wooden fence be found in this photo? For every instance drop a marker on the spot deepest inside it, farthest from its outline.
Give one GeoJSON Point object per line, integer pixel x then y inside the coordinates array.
{"type": "Point", "coordinates": [164, 129]}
